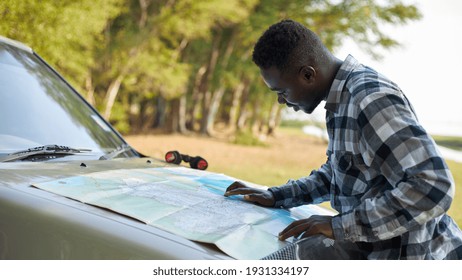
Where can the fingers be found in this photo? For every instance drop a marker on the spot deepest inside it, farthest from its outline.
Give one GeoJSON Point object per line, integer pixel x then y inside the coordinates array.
{"type": "Point", "coordinates": [262, 197]}
{"type": "Point", "coordinates": [234, 186]}
{"type": "Point", "coordinates": [308, 227]}
{"type": "Point", "coordinates": [238, 188]}
{"type": "Point", "coordinates": [294, 229]}
{"type": "Point", "coordinates": [265, 198]}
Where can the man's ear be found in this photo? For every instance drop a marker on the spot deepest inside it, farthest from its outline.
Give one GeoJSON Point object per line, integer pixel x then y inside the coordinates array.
{"type": "Point", "coordinates": [307, 73]}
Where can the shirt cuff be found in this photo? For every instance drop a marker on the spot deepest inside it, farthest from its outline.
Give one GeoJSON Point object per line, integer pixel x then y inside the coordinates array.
{"type": "Point", "coordinates": [344, 227]}
{"type": "Point", "coordinates": [278, 196]}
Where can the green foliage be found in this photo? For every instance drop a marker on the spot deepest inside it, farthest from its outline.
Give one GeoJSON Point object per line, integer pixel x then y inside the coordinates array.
{"type": "Point", "coordinates": [295, 123]}
{"type": "Point", "coordinates": [128, 53]}
{"type": "Point", "coordinates": [66, 33]}
{"type": "Point", "coordinates": [247, 138]}
{"type": "Point", "coordinates": [361, 20]}
{"type": "Point", "coordinates": [119, 119]}
{"type": "Point", "coordinates": [191, 19]}
{"type": "Point", "coordinates": [451, 142]}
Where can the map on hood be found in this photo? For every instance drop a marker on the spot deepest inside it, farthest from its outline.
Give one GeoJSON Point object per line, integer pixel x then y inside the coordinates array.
{"type": "Point", "coordinates": [186, 202]}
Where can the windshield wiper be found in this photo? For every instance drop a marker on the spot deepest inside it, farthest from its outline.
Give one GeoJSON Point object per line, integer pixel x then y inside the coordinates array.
{"type": "Point", "coordinates": [43, 150]}
{"type": "Point", "coordinates": [117, 151]}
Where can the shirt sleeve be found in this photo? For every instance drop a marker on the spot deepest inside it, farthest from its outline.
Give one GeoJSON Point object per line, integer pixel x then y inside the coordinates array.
{"type": "Point", "coordinates": [312, 189]}
{"type": "Point", "coordinates": [398, 148]}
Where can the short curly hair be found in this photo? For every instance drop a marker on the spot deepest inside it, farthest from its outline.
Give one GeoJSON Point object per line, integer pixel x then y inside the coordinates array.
{"type": "Point", "coordinates": [285, 43]}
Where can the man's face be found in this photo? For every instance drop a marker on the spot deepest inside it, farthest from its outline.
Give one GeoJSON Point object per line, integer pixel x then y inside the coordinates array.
{"type": "Point", "coordinates": [296, 89]}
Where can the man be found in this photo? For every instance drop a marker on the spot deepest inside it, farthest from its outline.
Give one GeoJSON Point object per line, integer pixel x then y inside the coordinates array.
{"type": "Point", "coordinates": [383, 174]}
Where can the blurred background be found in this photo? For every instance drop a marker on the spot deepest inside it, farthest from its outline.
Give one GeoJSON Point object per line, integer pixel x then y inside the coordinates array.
{"type": "Point", "coordinates": [178, 75]}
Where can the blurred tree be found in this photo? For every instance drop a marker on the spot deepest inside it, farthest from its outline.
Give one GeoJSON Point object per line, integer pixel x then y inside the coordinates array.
{"type": "Point", "coordinates": [184, 65]}
{"type": "Point", "coordinates": [143, 52]}
{"type": "Point", "coordinates": [65, 32]}
{"type": "Point", "coordinates": [249, 105]}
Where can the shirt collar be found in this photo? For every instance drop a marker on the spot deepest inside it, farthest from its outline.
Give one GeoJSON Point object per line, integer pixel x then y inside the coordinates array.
{"type": "Point", "coordinates": [335, 92]}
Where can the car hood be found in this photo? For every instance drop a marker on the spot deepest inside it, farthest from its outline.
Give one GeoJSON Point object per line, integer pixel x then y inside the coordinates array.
{"type": "Point", "coordinates": [25, 173]}
{"type": "Point", "coordinates": [183, 201]}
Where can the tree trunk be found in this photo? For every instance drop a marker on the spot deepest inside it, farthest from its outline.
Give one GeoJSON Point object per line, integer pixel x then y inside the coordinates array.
{"type": "Point", "coordinates": [274, 118]}
{"type": "Point", "coordinates": [195, 98]}
{"type": "Point", "coordinates": [244, 112]}
{"type": "Point", "coordinates": [161, 108]}
{"type": "Point", "coordinates": [90, 89]}
{"type": "Point", "coordinates": [256, 120]}
{"type": "Point", "coordinates": [242, 120]}
{"type": "Point", "coordinates": [144, 4]}
{"type": "Point", "coordinates": [172, 118]}
{"type": "Point", "coordinates": [206, 100]}
{"type": "Point", "coordinates": [147, 116]}
{"type": "Point", "coordinates": [217, 96]}
{"type": "Point", "coordinates": [111, 96]}
{"type": "Point", "coordinates": [182, 115]}
{"type": "Point", "coordinates": [176, 117]}
{"type": "Point", "coordinates": [214, 106]}
{"type": "Point", "coordinates": [233, 111]}
{"type": "Point", "coordinates": [134, 112]}
{"type": "Point", "coordinates": [204, 87]}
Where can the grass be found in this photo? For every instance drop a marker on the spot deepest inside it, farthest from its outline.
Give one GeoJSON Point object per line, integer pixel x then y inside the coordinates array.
{"type": "Point", "coordinates": [455, 143]}
{"type": "Point", "coordinates": [451, 142]}
{"type": "Point", "coordinates": [247, 139]}
{"type": "Point", "coordinates": [290, 155]}
{"type": "Point", "coordinates": [456, 209]}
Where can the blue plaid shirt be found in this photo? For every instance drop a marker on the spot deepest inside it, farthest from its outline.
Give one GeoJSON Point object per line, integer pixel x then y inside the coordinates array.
{"type": "Point", "coordinates": [384, 174]}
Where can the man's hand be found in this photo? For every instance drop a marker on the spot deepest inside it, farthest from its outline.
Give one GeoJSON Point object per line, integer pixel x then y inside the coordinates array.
{"type": "Point", "coordinates": [262, 197]}
{"type": "Point", "coordinates": [315, 224]}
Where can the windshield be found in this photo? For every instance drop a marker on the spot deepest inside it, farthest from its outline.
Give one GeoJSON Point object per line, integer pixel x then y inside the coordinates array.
{"type": "Point", "coordinates": [38, 108]}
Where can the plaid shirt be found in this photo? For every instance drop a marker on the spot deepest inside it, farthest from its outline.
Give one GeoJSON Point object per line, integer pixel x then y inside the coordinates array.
{"type": "Point", "coordinates": [383, 175]}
